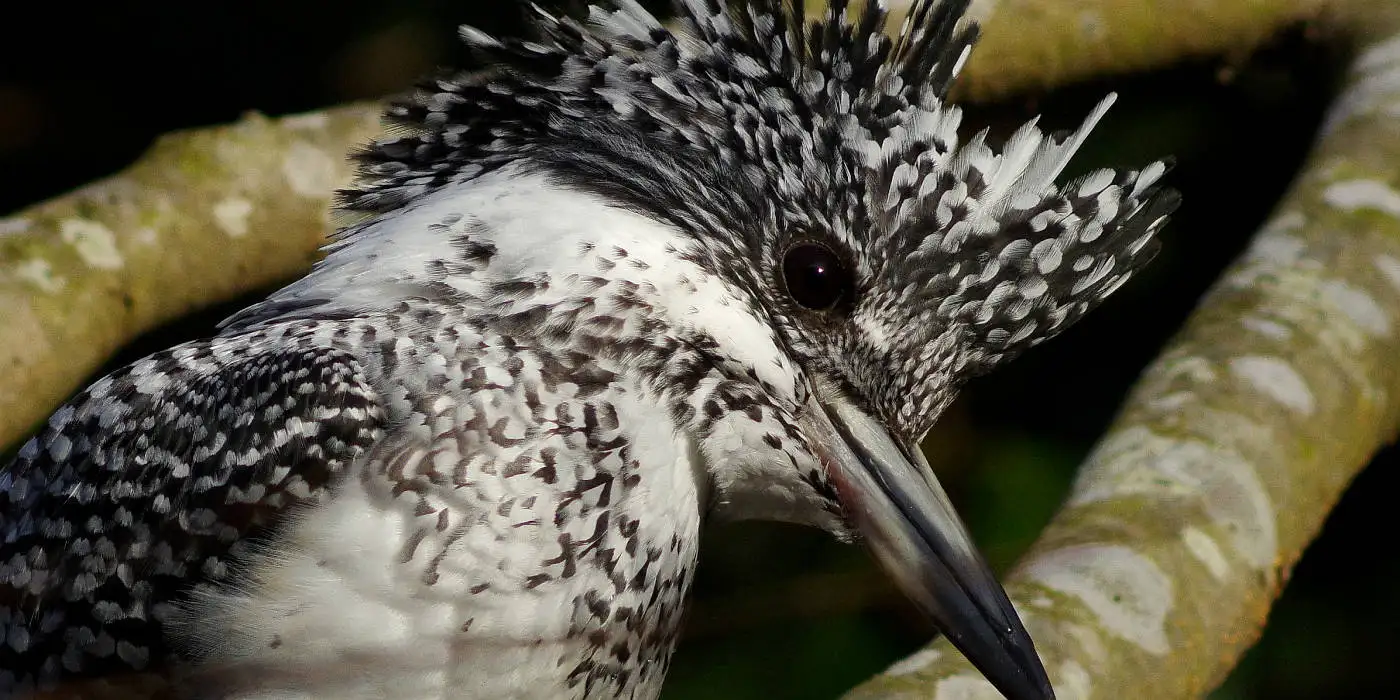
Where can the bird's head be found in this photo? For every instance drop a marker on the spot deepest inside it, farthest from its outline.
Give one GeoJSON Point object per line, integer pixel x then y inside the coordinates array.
{"type": "Point", "coordinates": [777, 223]}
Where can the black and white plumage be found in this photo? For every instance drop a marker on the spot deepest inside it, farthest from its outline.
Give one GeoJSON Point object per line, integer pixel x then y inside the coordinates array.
{"type": "Point", "coordinates": [627, 279]}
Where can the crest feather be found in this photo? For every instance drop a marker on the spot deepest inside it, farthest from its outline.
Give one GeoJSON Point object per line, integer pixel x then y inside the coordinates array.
{"type": "Point", "coordinates": [745, 121]}
{"type": "Point", "coordinates": [751, 81]}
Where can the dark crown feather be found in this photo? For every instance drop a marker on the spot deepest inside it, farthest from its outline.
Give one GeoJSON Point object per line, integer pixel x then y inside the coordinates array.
{"type": "Point", "coordinates": [748, 112]}
{"type": "Point", "coordinates": [725, 73]}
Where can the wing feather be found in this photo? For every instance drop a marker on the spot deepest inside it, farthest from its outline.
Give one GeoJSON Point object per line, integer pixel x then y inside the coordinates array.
{"type": "Point", "coordinates": [145, 483]}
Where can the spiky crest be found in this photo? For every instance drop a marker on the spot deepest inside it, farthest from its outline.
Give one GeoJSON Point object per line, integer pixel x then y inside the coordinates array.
{"type": "Point", "coordinates": [744, 83]}
{"type": "Point", "coordinates": [747, 123]}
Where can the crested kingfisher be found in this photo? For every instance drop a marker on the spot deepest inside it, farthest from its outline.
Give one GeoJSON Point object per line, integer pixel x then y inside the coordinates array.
{"type": "Point", "coordinates": [631, 277]}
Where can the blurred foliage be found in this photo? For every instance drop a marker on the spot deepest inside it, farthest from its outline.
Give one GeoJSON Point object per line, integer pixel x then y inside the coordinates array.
{"type": "Point", "coordinates": [783, 612]}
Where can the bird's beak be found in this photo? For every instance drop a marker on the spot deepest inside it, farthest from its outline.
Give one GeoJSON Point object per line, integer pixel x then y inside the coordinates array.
{"type": "Point", "coordinates": [893, 498]}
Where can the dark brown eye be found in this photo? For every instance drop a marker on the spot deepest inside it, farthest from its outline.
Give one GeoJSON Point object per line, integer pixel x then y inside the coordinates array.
{"type": "Point", "coordinates": [816, 277]}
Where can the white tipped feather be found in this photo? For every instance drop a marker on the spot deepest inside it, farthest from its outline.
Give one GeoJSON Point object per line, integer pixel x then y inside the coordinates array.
{"type": "Point", "coordinates": [1030, 162]}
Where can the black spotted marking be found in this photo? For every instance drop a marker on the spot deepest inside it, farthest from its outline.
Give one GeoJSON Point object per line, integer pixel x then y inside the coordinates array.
{"type": "Point", "coordinates": [143, 485]}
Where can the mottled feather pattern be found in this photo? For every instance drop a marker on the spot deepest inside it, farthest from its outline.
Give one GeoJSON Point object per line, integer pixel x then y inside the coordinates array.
{"type": "Point", "coordinates": [471, 451]}
{"type": "Point", "coordinates": [1014, 283]}
{"type": "Point", "coordinates": [505, 466]}
{"type": "Point", "coordinates": [512, 471]}
{"type": "Point", "coordinates": [142, 484]}
{"type": "Point", "coordinates": [126, 518]}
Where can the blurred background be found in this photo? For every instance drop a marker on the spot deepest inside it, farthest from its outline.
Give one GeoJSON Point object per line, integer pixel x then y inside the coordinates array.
{"type": "Point", "coordinates": [782, 612]}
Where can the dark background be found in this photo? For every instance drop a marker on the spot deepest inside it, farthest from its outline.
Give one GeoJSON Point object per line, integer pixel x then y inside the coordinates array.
{"type": "Point", "coordinates": [782, 612]}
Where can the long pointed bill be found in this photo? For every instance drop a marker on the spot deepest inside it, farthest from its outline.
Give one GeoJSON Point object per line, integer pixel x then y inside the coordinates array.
{"type": "Point", "coordinates": [910, 526]}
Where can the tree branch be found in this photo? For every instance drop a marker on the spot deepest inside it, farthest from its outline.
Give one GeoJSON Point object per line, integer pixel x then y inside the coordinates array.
{"type": "Point", "coordinates": [1188, 516]}
{"type": "Point", "coordinates": [204, 216]}
{"type": "Point", "coordinates": [1031, 45]}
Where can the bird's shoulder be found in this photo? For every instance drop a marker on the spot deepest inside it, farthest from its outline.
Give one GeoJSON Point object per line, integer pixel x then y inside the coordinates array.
{"type": "Point", "coordinates": [140, 486]}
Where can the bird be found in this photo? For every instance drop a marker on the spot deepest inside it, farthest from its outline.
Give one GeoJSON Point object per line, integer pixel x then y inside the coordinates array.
{"type": "Point", "coordinates": [632, 277]}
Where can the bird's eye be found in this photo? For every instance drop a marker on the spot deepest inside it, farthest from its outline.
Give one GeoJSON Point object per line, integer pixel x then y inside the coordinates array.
{"type": "Point", "coordinates": [815, 276]}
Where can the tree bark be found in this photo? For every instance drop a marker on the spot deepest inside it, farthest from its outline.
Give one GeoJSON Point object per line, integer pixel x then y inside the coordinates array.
{"type": "Point", "coordinates": [204, 216]}
{"type": "Point", "coordinates": [1031, 45]}
{"type": "Point", "coordinates": [1236, 442]}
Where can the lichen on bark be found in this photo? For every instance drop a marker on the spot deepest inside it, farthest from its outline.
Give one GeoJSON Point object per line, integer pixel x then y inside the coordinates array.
{"type": "Point", "coordinates": [1039, 44]}
{"type": "Point", "coordinates": [204, 216]}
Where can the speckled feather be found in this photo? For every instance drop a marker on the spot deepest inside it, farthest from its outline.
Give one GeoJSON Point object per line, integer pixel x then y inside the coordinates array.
{"type": "Point", "coordinates": [751, 133]}
{"type": "Point", "coordinates": [139, 521]}
{"type": "Point", "coordinates": [145, 481]}
{"type": "Point", "coordinates": [473, 448]}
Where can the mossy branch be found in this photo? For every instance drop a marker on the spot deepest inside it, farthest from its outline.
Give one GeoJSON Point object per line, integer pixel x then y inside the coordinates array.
{"type": "Point", "coordinates": [1235, 444]}
{"type": "Point", "coordinates": [204, 216]}
{"type": "Point", "coordinates": [1033, 45]}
